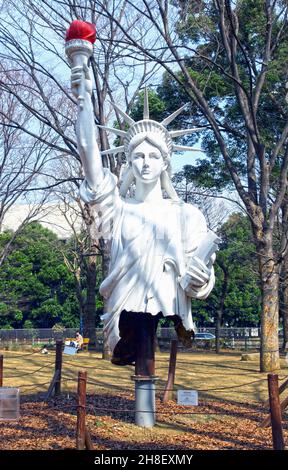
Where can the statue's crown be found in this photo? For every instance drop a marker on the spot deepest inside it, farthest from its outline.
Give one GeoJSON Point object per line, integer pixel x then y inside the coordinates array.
{"type": "Point", "coordinates": [147, 125]}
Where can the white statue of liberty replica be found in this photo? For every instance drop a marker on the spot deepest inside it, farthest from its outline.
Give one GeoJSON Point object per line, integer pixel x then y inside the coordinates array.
{"type": "Point", "coordinates": [161, 250]}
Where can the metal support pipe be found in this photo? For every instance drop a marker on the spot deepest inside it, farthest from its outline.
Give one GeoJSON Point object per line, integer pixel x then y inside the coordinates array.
{"type": "Point", "coordinates": [144, 377]}
{"type": "Point", "coordinates": [145, 410]}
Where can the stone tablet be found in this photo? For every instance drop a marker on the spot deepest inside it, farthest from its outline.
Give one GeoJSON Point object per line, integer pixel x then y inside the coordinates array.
{"type": "Point", "coordinates": [188, 397]}
{"type": "Point", "coordinates": [9, 404]}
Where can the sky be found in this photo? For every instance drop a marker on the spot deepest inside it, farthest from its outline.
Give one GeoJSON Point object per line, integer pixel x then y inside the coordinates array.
{"type": "Point", "coordinates": [178, 160]}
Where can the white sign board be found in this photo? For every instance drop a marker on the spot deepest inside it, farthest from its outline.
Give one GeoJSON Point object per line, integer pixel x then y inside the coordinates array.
{"type": "Point", "coordinates": [70, 350]}
{"type": "Point", "coordinates": [9, 404]}
{"type": "Point", "coordinates": [188, 397]}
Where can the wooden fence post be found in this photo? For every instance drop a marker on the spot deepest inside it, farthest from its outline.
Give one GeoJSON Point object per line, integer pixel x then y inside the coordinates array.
{"type": "Point", "coordinates": [168, 393]}
{"type": "Point", "coordinates": [52, 386]}
{"type": "Point", "coordinates": [267, 421]}
{"type": "Point", "coordinates": [282, 387]}
{"type": "Point", "coordinates": [275, 410]}
{"type": "Point", "coordinates": [88, 440]}
{"type": "Point", "coordinates": [1, 371]}
{"type": "Point", "coordinates": [81, 411]}
{"type": "Point", "coordinates": [58, 366]}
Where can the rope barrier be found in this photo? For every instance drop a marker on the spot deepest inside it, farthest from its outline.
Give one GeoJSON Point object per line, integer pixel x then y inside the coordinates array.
{"type": "Point", "coordinates": [94, 395]}
{"type": "Point", "coordinates": [172, 413]}
{"type": "Point", "coordinates": [161, 368]}
{"type": "Point", "coordinates": [208, 409]}
{"type": "Point", "coordinates": [117, 410]}
{"type": "Point", "coordinates": [23, 355]}
{"type": "Point", "coordinates": [108, 386]}
{"type": "Point", "coordinates": [157, 390]}
{"type": "Point", "coordinates": [33, 385]}
{"type": "Point", "coordinates": [231, 387]}
{"type": "Point", "coordinates": [86, 367]}
{"type": "Point", "coordinates": [29, 373]}
{"type": "Point", "coordinates": [97, 409]}
{"type": "Point", "coordinates": [199, 390]}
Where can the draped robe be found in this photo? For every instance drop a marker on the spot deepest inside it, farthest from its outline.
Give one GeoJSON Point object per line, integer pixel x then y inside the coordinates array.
{"type": "Point", "coordinates": [151, 245]}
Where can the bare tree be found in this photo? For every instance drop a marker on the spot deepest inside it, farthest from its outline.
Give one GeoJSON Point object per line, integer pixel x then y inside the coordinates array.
{"type": "Point", "coordinates": [284, 271]}
{"type": "Point", "coordinates": [216, 211]}
{"type": "Point", "coordinates": [216, 208]}
{"type": "Point", "coordinates": [36, 73]}
{"type": "Point", "coordinates": [83, 259]}
{"type": "Point", "coordinates": [142, 35]}
{"type": "Point", "coordinates": [22, 159]}
{"type": "Point", "coordinates": [262, 196]}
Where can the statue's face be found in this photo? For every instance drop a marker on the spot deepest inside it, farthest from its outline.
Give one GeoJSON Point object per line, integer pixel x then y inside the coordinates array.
{"type": "Point", "coordinates": [147, 162]}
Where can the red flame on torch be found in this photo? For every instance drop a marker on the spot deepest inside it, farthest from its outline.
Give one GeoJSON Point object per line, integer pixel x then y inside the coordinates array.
{"type": "Point", "coordinates": [81, 30]}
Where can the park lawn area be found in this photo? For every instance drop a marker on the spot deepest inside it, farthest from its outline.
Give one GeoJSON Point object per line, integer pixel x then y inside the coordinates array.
{"type": "Point", "coordinates": [231, 403]}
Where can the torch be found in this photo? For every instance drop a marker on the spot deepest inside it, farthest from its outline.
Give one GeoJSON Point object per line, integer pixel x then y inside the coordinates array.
{"type": "Point", "coordinates": [80, 38]}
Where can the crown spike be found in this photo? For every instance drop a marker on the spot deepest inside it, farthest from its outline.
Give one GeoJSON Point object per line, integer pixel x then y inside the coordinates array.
{"type": "Point", "coordinates": [125, 116]}
{"type": "Point", "coordinates": [174, 134]}
{"type": "Point", "coordinates": [118, 132]}
{"type": "Point", "coordinates": [184, 147]}
{"type": "Point", "coordinates": [146, 104]}
{"type": "Point", "coordinates": [113, 151]}
{"type": "Point", "coordinates": [172, 116]}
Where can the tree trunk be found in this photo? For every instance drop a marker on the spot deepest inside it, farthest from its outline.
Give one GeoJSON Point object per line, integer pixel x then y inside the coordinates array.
{"type": "Point", "coordinates": [217, 331]}
{"type": "Point", "coordinates": [284, 300]}
{"type": "Point", "coordinates": [90, 305]}
{"type": "Point", "coordinates": [284, 272]}
{"type": "Point", "coordinates": [79, 295]}
{"type": "Point", "coordinates": [269, 275]}
{"type": "Point", "coordinates": [220, 310]}
{"type": "Point", "coordinates": [105, 249]}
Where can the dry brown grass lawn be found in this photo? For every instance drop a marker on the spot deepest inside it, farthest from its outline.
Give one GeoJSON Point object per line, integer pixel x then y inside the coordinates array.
{"type": "Point", "coordinates": [211, 374]}
{"type": "Point", "coordinates": [231, 396]}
